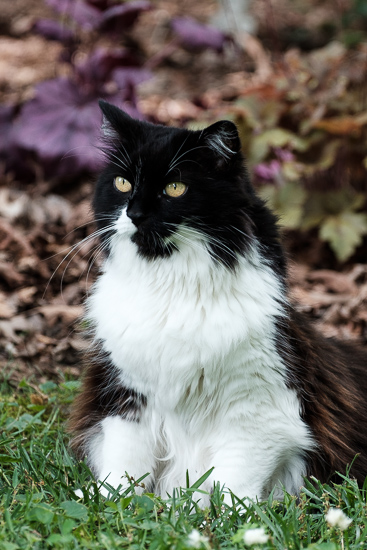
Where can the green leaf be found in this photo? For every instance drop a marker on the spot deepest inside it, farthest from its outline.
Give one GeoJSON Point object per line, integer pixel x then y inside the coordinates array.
{"type": "Point", "coordinates": [124, 502]}
{"type": "Point", "coordinates": [74, 510]}
{"type": "Point", "coordinates": [67, 526]}
{"type": "Point", "coordinates": [325, 159]}
{"type": "Point", "coordinates": [8, 546]}
{"type": "Point", "coordinates": [42, 513]}
{"type": "Point", "coordinates": [344, 233]}
{"type": "Point", "coordinates": [143, 503]}
{"type": "Point", "coordinates": [276, 137]}
{"type": "Point", "coordinates": [287, 201]}
{"type": "Point", "coordinates": [58, 539]}
{"type": "Point", "coordinates": [48, 387]}
{"type": "Point", "coordinates": [71, 385]}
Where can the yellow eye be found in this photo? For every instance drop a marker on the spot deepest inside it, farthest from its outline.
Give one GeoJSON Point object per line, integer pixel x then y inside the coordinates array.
{"type": "Point", "coordinates": [122, 184]}
{"type": "Point", "coordinates": [175, 189]}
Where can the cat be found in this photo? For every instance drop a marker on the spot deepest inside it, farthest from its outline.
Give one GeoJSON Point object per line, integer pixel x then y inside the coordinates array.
{"type": "Point", "coordinates": [199, 359]}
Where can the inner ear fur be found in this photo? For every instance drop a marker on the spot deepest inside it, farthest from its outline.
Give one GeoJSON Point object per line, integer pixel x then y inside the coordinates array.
{"type": "Point", "coordinates": [223, 140]}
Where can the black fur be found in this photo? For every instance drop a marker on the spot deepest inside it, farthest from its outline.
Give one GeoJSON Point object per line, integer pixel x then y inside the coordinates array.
{"type": "Point", "coordinates": [218, 188]}
{"type": "Point", "coordinates": [102, 395]}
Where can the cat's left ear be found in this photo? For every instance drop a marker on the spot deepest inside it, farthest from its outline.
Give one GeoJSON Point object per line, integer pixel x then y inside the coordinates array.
{"type": "Point", "coordinates": [223, 139]}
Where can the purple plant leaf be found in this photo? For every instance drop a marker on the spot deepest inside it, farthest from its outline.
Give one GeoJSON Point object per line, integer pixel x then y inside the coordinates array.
{"type": "Point", "coordinates": [130, 77]}
{"type": "Point", "coordinates": [195, 36]}
{"type": "Point", "coordinates": [60, 121]}
{"type": "Point", "coordinates": [127, 79]}
{"type": "Point", "coordinates": [268, 171]}
{"type": "Point", "coordinates": [123, 16]}
{"type": "Point", "coordinates": [13, 158]}
{"type": "Point", "coordinates": [129, 107]}
{"type": "Point", "coordinates": [283, 154]}
{"type": "Point", "coordinates": [102, 4]}
{"type": "Point", "coordinates": [96, 69]}
{"type": "Point", "coordinates": [53, 30]}
{"type": "Point", "coordinates": [87, 16]}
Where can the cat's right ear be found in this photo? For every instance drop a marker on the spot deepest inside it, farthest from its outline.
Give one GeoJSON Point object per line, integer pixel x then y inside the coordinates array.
{"type": "Point", "coordinates": [223, 141]}
{"type": "Point", "coordinates": [116, 124]}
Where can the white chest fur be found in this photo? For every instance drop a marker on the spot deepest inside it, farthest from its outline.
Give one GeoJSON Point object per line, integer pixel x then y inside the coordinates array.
{"type": "Point", "coordinates": [198, 341]}
{"type": "Point", "coordinates": [164, 321]}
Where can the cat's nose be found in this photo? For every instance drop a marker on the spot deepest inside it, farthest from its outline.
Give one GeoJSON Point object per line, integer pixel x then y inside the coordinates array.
{"type": "Point", "coordinates": [136, 214]}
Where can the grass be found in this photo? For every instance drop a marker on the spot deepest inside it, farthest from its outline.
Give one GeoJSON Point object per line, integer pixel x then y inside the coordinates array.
{"type": "Point", "coordinates": [39, 509]}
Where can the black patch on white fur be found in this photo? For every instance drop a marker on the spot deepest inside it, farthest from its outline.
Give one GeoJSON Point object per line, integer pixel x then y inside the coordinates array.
{"type": "Point", "coordinates": [101, 395]}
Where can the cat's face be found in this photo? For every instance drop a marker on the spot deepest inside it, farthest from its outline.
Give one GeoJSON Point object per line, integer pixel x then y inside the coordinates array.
{"type": "Point", "coordinates": [163, 186]}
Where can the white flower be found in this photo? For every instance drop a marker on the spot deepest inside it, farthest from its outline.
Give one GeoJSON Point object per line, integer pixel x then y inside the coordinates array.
{"type": "Point", "coordinates": [196, 539]}
{"type": "Point", "coordinates": [255, 536]}
{"type": "Point", "coordinates": [336, 518]}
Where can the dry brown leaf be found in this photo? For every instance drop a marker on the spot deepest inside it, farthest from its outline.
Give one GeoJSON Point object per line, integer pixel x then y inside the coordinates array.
{"type": "Point", "coordinates": [315, 299]}
{"type": "Point", "coordinates": [46, 339]}
{"type": "Point", "coordinates": [342, 125]}
{"type": "Point", "coordinates": [64, 352]}
{"type": "Point", "coordinates": [34, 265]}
{"type": "Point", "coordinates": [60, 312]}
{"type": "Point", "coordinates": [7, 309]}
{"type": "Point", "coordinates": [37, 399]}
{"type": "Point", "coordinates": [20, 323]}
{"type": "Point", "coordinates": [253, 47]}
{"type": "Point", "coordinates": [334, 281]}
{"type": "Point", "coordinates": [26, 294]}
{"type": "Point", "coordinates": [9, 234]}
{"type": "Point", "coordinates": [10, 275]}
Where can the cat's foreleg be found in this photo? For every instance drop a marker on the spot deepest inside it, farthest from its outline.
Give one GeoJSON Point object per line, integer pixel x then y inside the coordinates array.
{"type": "Point", "coordinates": [121, 447]}
{"type": "Point", "coordinates": [250, 467]}
{"type": "Point", "coordinates": [235, 472]}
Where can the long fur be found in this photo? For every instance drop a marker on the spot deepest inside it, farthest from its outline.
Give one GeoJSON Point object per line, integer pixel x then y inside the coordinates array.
{"type": "Point", "coordinates": [202, 360]}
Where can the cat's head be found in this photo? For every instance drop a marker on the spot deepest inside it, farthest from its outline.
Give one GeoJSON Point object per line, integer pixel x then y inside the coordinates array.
{"type": "Point", "coordinates": [163, 186]}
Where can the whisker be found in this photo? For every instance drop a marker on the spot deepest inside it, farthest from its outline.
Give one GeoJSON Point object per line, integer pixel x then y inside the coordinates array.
{"type": "Point", "coordinates": [93, 235]}
{"type": "Point", "coordinates": [124, 157]}
{"type": "Point", "coordinates": [173, 165]}
{"type": "Point", "coordinates": [72, 258]}
{"type": "Point", "coordinates": [97, 252]}
{"type": "Point", "coordinates": [125, 153]}
{"type": "Point", "coordinates": [174, 158]}
{"type": "Point", "coordinates": [107, 217]}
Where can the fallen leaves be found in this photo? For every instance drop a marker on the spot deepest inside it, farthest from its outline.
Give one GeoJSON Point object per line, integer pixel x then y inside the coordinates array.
{"type": "Point", "coordinates": [338, 301]}
{"type": "Point", "coordinates": [42, 287]}
{"type": "Point", "coordinates": [344, 125]}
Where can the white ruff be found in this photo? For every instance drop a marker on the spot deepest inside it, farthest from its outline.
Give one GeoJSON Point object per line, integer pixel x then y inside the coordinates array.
{"type": "Point", "coordinates": [198, 341]}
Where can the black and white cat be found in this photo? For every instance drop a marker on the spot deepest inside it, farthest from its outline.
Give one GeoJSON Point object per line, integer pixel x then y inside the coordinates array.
{"type": "Point", "coordinates": [200, 360]}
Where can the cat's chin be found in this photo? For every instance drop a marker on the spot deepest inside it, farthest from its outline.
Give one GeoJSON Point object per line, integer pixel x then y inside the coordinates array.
{"type": "Point", "coordinates": [152, 246]}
